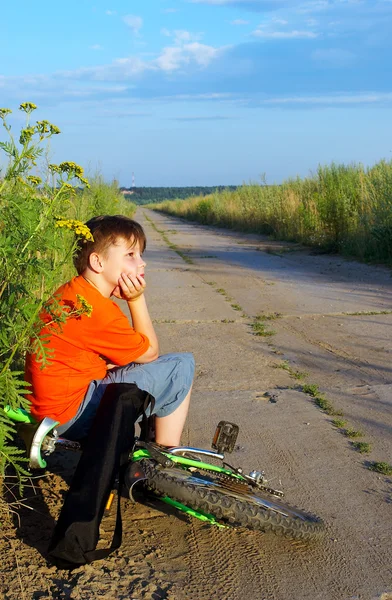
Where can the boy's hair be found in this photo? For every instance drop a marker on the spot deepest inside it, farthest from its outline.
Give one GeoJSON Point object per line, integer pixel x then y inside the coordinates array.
{"type": "Point", "coordinates": [106, 230]}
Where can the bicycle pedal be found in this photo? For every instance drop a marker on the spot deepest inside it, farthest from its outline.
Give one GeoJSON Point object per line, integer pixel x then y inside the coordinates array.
{"type": "Point", "coordinates": [225, 437]}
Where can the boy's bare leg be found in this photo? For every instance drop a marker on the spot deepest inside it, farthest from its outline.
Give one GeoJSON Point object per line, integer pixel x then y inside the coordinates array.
{"type": "Point", "coordinates": [168, 429]}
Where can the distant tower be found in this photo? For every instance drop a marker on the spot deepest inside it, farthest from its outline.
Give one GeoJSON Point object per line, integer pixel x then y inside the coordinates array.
{"type": "Point", "coordinates": [133, 180]}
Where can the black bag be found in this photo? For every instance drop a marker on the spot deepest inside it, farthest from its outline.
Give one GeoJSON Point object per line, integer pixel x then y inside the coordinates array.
{"type": "Point", "coordinates": [104, 458]}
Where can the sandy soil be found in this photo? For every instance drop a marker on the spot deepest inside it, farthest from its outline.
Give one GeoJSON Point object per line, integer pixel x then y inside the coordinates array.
{"type": "Point", "coordinates": [206, 307]}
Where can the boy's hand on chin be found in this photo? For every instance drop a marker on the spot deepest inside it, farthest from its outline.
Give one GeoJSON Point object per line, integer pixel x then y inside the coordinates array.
{"type": "Point", "coordinates": [130, 287]}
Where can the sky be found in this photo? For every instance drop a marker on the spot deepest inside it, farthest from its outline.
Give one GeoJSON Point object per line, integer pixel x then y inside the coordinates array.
{"type": "Point", "coordinates": [203, 92]}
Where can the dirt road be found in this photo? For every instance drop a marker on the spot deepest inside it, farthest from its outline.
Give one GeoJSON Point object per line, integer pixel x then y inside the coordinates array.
{"type": "Point", "coordinates": [205, 288]}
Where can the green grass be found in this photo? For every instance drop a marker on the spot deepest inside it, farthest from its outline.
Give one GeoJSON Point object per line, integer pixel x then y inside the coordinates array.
{"type": "Point", "coordinates": [259, 328]}
{"type": "Point", "coordinates": [352, 433]}
{"type": "Point", "coordinates": [292, 372]}
{"type": "Point", "coordinates": [236, 307]}
{"type": "Point", "coordinates": [259, 325]}
{"type": "Point", "coordinates": [362, 447]}
{"type": "Point", "coordinates": [312, 389]}
{"type": "Point", "coordinates": [327, 406]}
{"type": "Point", "coordinates": [340, 423]}
{"type": "Point", "coordinates": [340, 208]}
{"type": "Point", "coordinates": [172, 246]}
{"type": "Point", "coordinates": [368, 313]}
{"type": "Point", "coordinates": [381, 467]}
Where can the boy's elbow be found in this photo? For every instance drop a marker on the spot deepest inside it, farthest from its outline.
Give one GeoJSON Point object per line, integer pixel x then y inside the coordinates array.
{"type": "Point", "coordinates": [150, 355]}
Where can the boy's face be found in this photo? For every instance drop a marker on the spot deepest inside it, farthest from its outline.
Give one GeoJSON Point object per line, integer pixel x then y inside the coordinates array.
{"type": "Point", "coordinates": [123, 257]}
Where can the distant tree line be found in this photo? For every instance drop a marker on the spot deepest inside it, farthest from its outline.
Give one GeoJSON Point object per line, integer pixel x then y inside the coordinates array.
{"type": "Point", "coordinates": [145, 195]}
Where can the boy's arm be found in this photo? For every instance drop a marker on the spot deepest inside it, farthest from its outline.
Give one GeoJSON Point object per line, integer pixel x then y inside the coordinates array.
{"type": "Point", "coordinates": [142, 323]}
{"type": "Point", "coordinates": [131, 288]}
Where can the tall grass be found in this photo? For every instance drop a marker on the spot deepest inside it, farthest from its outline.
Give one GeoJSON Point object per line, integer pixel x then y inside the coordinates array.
{"type": "Point", "coordinates": [39, 216]}
{"type": "Point", "coordinates": [341, 208]}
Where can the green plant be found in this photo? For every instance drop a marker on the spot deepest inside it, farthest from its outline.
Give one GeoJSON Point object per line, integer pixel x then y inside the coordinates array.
{"type": "Point", "coordinates": [39, 219]}
{"type": "Point", "coordinates": [292, 372]}
{"type": "Point", "coordinates": [352, 433]}
{"type": "Point", "coordinates": [341, 208]}
{"type": "Point", "coordinates": [172, 246]}
{"type": "Point", "coordinates": [340, 423]}
{"type": "Point", "coordinates": [311, 389]}
{"type": "Point", "coordinates": [236, 307]}
{"type": "Point", "coordinates": [381, 467]}
{"type": "Point", "coordinates": [362, 447]}
{"type": "Point", "coordinates": [260, 328]}
{"type": "Point", "coordinates": [259, 325]}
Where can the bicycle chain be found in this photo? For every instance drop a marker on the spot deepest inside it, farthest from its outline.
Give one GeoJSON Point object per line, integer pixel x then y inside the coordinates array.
{"type": "Point", "coordinates": [242, 486]}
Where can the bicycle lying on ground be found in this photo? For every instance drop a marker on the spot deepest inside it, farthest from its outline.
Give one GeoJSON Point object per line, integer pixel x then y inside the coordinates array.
{"type": "Point", "coordinates": [217, 493]}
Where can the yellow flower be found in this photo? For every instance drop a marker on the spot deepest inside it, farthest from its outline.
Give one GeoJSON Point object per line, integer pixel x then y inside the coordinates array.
{"type": "Point", "coordinates": [78, 227]}
{"type": "Point", "coordinates": [34, 180]}
{"type": "Point", "coordinates": [44, 127]}
{"type": "Point", "coordinates": [84, 307]}
{"type": "Point", "coordinates": [4, 112]}
{"type": "Point", "coordinates": [26, 135]}
{"type": "Point", "coordinates": [27, 107]}
{"type": "Point", "coordinates": [71, 168]}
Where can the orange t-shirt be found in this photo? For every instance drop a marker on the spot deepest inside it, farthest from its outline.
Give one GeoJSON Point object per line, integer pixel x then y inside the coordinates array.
{"type": "Point", "coordinates": [79, 347]}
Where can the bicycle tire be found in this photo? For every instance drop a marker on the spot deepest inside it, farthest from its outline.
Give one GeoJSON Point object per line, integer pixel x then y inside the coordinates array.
{"type": "Point", "coordinates": [255, 510]}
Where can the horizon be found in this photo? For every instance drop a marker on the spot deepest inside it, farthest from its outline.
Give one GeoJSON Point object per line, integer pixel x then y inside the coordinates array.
{"type": "Point", "coordinates": [185, 93]}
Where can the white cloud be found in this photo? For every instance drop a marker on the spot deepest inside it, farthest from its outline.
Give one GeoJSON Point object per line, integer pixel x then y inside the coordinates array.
{"type": "Point", "coordinates": [111, 13]}
{"type": "Point", "coordinates": [96, 47]}
{"type": "Point", "coordinates": [181, 36]}
{"type": "Point", "coordinates": [169, 10]}
{"type": "Point", "coordinates": [279, 35]}
{"type": "Point", "coordinates": [134, 22]}
{"type": "Point", "coordinates": [239, 22]}
{"type": "Point", "coordinates": [175, 57]}
{"type": "Point", "coordinates": [280, 21]}
{"type": "Point", "coordinates": [120, 69]}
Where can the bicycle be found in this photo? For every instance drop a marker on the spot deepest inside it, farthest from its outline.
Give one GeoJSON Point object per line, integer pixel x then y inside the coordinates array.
{"type": "Point", "coordinates": [220, 494]}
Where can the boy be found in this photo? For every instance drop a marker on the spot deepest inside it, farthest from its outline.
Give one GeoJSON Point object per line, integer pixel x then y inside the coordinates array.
{"type": "Point", "coordinates": [92, 351]}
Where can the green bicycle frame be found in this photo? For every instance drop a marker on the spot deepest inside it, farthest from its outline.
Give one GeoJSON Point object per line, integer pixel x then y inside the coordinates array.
{"type": "Point", "coordinates": [188, 462]}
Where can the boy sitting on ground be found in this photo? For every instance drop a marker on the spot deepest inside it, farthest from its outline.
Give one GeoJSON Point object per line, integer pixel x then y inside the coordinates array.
{"type": "Point", "coordinates": [91, 351]}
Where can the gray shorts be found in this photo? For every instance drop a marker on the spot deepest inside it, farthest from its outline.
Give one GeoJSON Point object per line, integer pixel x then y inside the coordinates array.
{"type": "Point", "coordinates": [168, 379]}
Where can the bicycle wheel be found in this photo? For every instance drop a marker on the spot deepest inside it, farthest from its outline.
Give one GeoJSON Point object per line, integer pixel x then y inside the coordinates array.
{"type": "Point", "coordinates": [231, 501]}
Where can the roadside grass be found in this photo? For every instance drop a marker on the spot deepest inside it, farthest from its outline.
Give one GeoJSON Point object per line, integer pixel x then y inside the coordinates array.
{"type": "Point", "coordinates": [298, 375]}
{"type": "Point", "coordinates": [362, 447]}
{"type": "Point", "coordinates": [260, 324]}
{"type": "Point", "coordinates": [260, 328]}
{"type": "Point", "coordinates": [352, 433]}
{"type": "Point", "coordinates": [381, 467]}
{"type": "Point", "coordinates": [326, 406]}
{"type": "Point", "coordinates": [339, 423]}
{"type": "Point", "coordinates": [368, 313]}
{"type": "Point", "coordinates": [340, 208]}
{"type": "Point", "coordinates": [170, 244]}
{"type": "Point", "coordinates": [235, 306]}
{"type": "Point", "coordinates": [311, 389]}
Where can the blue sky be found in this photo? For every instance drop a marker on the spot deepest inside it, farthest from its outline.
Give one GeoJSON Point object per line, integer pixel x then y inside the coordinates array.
{"type": "Point", "coordinates": [203, 92]}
